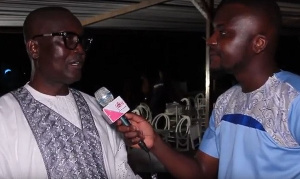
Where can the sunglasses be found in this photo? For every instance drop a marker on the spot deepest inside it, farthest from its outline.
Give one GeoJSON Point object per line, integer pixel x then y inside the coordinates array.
{"type": "Point", "coordinates": [71, 39]}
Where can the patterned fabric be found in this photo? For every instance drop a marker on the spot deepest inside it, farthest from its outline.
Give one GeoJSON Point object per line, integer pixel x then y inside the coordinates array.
{"type": "Point", "coordinates": [256, 134]}
{"type": "Point", "coordinates": [68, 152]}
{"type": "Point", "coordinates": [268, 105]}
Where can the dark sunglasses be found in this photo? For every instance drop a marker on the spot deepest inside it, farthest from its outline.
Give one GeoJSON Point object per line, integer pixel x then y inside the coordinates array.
{"type": "Point", "coordinates": [71, 39]}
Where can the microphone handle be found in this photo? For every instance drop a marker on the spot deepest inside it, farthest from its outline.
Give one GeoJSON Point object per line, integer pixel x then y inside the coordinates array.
{"type": "Point", "coordinates": [141, 143]}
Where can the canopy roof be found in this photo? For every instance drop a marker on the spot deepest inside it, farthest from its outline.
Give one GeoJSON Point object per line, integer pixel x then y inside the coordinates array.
{"type": "Point", "coordinates": [175, 15]}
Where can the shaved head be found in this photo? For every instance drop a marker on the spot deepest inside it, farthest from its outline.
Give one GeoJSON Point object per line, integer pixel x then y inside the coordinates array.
{"type": "Point", "coordinates": [52, 61]}
{"type": "Point", "coordinates": [268, 18]}
{"type": "Point", "coordinates": [35, 22]}
{"type": "Point", "coordinates": [267, 9]}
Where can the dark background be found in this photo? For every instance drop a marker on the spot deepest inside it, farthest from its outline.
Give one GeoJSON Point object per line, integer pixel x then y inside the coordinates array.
{"type": "Point", "coordinates": [119, 56]}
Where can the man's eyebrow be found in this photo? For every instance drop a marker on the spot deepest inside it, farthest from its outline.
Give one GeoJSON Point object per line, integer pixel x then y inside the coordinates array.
{"type": "Point", "coordinates": [218, 26]}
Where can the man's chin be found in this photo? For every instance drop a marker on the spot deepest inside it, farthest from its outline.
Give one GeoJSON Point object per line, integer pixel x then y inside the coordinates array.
{"type": "Point", "coordinates": [220, 69]}
{"type": "Point", "coordinates": [215, 68]}
{"type": "Point", "coordinates": [73, 80]}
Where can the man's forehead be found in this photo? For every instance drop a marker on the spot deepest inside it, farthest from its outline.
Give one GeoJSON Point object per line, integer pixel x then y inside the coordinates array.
{"type": "Point", "coordinates": [232, 13]}
{"type": "Point", "coordinates": [239, 24]}
{"type": "Point", "coordinates": [57, 23]}
{"type": "Point", "coordinates": [241, 18]}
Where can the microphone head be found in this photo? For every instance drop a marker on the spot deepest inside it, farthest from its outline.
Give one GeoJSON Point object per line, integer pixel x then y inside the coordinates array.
{"type": "Point", "coordinates": [103, 96]}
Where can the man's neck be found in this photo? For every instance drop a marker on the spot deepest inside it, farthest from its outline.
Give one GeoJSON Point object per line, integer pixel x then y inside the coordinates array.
{"type": "Point", "coordinates": [53, 90]}
{"type": "Point", "coordinates": [254, 80]}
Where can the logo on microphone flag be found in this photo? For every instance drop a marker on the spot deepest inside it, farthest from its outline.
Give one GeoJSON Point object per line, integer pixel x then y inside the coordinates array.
{"type": "Point", "coordinates": [115, 109]}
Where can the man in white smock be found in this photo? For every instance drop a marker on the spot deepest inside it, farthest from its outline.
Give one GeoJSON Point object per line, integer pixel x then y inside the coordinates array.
{"type": "Point", "coordinates": [47, 129]}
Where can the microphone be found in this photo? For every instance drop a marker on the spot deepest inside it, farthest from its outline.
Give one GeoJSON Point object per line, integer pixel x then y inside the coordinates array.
{"type": "Point", "coordinates": [105, 98]}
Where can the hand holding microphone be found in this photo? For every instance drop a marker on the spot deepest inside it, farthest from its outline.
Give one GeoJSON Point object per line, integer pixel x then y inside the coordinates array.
{"type": "Point", "coordinates": [115, 109]}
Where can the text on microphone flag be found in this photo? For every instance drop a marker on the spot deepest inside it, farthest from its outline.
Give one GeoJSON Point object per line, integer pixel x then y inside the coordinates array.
{"type": "Point", "coordinates": [116, 109]}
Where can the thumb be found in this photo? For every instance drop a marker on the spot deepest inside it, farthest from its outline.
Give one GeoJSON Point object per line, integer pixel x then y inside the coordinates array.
{"type": "Point", "coordinates": [134, 117]}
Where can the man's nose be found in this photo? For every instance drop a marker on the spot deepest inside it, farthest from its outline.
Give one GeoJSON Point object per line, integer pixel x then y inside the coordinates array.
{"type": "Point", "coordinates": [212, 40]}
{"type": "Point", "coordinates": [79, 48]}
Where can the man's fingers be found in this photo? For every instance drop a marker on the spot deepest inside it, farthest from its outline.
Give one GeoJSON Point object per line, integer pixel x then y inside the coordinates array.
{"type": "Point", "coordinates": [135, 140]}
{"type": "Point", "coordinates": [134, 117]}
{"type": "Point", "coordinates": [130, 135]}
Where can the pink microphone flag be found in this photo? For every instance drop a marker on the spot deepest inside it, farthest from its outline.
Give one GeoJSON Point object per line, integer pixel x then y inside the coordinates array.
{"type": "Point", "coordinates": [115, 109]}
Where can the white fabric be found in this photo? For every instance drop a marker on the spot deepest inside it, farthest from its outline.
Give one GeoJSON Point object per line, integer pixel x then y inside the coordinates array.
{"type": "Point", "coordinates": [20, 157]}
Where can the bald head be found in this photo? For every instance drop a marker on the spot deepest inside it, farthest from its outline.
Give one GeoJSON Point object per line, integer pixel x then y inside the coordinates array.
{"type": "Point", "coordinates": [267, 9]}
{"type": "Point", "coordinates": [48, 20]}
{"type": "Point", "coordinates": [265, 13]}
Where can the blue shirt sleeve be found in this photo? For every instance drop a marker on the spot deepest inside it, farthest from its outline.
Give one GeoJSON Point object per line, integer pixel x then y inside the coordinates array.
{"type": "Point", "coordinates": [294, 119]}
{"type": "Point", "coordinates": [208, 143]}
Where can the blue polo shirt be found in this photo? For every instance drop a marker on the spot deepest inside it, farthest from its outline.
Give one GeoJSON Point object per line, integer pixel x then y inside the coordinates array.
{"type": "Point", "coordinates": [256, 135]}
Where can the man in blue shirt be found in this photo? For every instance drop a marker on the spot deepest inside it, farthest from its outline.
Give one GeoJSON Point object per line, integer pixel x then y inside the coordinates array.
{"type": "Point", "coordinates": [254, 127]}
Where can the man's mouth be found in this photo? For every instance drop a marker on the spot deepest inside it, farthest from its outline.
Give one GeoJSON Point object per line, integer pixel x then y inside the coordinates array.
{"type": "Point", "coordinates": [76, 64]}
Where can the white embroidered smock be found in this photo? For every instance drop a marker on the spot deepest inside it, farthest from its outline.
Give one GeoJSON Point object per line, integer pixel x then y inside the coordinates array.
{"type": "Point", "coordinates": [20, 157]}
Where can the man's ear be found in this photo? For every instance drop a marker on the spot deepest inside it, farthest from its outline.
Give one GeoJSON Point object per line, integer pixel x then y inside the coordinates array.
{"type": "Point", "coordinates": [259, 43]}
{"type": "Point", "coordinates": [33, 49]}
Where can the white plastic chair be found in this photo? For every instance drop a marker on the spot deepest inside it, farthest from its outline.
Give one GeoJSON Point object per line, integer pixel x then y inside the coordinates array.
{"type": "Point", "coordinates": [187, 103]}
{"type": "Point", "coordinates": [174, 110]}
{"type": "Point", "coordinates": [189, 108]}
{"type": "Point", "coordinates": [200, 105]}
{"type": "Point", "coordinates": [199, 100]}
{"type": "Point", "coordinates": [145, 111]}
{"type": "Point", "coordinates": [195, 135]}
{"type": "Point", "coordinates": [161, 124]}
{"type": "Point", "coordinates": [183, 133]}
{"type": "Point", "coordinates": [136, 111]}
{"type": "Point", "coordinates": [159, 118]}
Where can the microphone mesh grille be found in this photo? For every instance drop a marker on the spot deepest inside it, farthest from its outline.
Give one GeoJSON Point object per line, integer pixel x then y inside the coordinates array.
{"type": "Point", "coordinates": [103, 96]}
